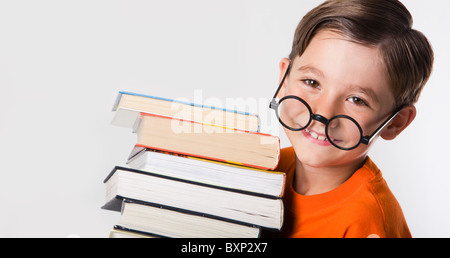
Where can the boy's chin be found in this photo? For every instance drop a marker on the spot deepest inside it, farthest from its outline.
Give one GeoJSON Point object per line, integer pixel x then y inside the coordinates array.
{"type": "Point", "coordinates": [314, 159]}
{"type": "Point", "coordinates": [313, 155]}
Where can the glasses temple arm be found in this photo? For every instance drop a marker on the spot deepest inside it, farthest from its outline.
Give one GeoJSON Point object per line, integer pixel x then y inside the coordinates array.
{"type": "Point", "coordinates": [369, 139]}
{"type": "Point", "coordinates": [282, 80]}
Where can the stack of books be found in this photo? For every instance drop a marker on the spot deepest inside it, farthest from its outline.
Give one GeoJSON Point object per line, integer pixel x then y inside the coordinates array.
{"type": "Point", "coordinates": [195, 171]}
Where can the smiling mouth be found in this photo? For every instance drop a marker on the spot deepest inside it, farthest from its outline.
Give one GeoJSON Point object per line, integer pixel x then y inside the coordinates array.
{"type": "Point", "coordinates": [316, 136]}
{"type": "Point", "coordinates": [322, 138]}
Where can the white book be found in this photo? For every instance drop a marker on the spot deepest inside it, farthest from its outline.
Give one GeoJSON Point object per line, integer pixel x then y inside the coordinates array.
{"type": "Point", "coordinates": [176, 223]}
{"type": "Point", "coordinates": [205, 171]}
{"type": "Point", "coordinates": [126, 183]}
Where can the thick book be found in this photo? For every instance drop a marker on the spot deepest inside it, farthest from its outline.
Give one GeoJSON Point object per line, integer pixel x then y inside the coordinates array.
{"type": "Point", "coordinates": [215, 202]}
{"type": "Point", "coordinates": [158, 220]}
{"type": "Point", "coordinates": [128, 105]}
{"type": "Point", "coordinates": [210, 142]}
{"type": "Point", "coordinates": [265, 182]}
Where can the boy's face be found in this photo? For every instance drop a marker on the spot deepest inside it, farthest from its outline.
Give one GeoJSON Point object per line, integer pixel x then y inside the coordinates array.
{"type": "Point", "coordinates": [337, 77]}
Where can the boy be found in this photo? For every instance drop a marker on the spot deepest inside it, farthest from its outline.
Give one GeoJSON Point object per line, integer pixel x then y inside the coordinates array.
{"type": "Point", "coordinates": [355, 71]}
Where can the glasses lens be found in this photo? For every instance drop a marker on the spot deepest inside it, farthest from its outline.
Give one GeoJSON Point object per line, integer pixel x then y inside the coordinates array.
{"type": "Point", "coordinates": [293, 113]}
{"type": "Point", "coordinates": [343, 132]}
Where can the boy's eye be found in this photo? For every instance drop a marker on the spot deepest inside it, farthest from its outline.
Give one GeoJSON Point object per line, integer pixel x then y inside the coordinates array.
{"type": "Point", "coordinates": [311, 83]}
{"type": "Point", "coordinates": [357, 101]}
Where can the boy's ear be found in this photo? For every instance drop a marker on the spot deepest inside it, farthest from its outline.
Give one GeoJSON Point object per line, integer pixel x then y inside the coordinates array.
{"type": "Point", "coordinates": [399, 123]}
{"type": "Point", "coordinates": [284, 64]}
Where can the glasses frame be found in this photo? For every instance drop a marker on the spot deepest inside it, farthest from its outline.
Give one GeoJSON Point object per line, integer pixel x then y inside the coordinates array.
{"type": "Point", "coordinates": [367, 139]}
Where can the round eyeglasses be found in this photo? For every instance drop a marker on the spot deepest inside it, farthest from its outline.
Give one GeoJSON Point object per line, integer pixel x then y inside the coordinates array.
{"type": "Point", "coordinates": [341, 131]}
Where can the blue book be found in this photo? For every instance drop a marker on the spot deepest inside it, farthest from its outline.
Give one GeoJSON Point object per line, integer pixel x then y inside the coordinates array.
{"type": "Point", "coordinates": [129, 105]}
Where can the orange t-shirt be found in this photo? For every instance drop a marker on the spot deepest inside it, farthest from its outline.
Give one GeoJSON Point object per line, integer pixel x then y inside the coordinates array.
{"type": "Point", "coordinates": [361, 206]}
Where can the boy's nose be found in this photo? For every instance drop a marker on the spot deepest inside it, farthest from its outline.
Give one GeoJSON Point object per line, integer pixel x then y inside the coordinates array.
{"type": "Point", "coordinates": [319, 118]}
{"type": "Point", "coordinates": [324, 109]}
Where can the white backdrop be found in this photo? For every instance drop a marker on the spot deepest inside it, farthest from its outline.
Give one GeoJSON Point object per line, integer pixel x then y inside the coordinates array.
{"type": "Point", "coordinates": [63, 62]}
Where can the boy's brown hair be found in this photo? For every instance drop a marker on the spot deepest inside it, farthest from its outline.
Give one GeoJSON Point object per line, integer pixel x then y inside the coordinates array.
{"type": "Point", "coordinates": [386, 24]}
